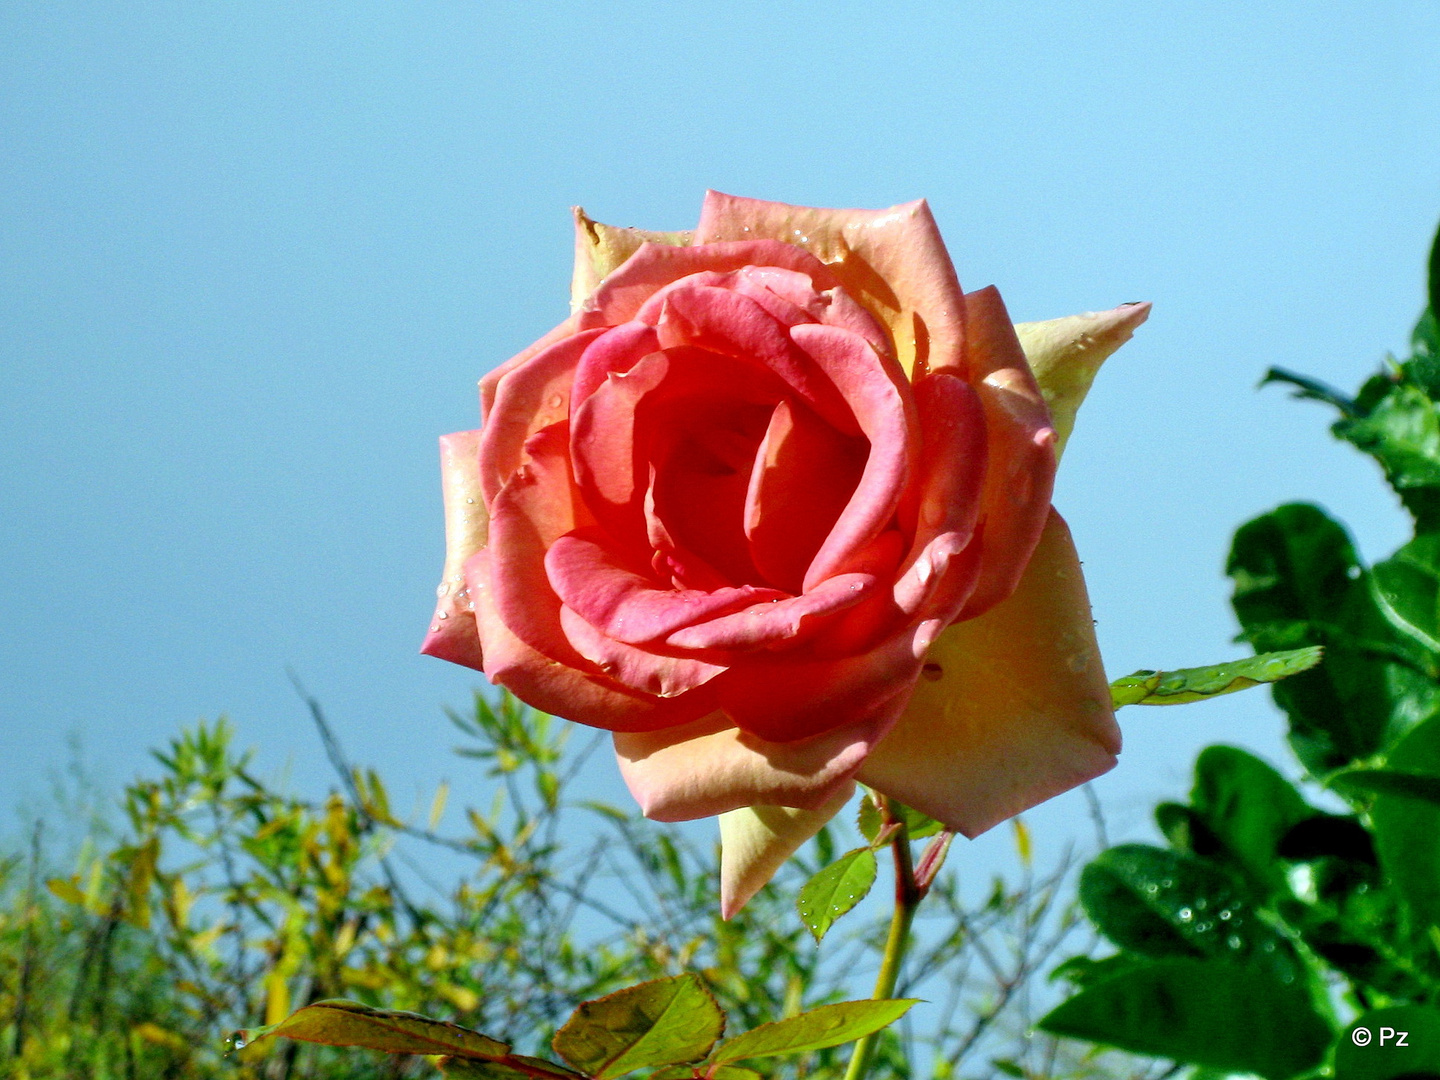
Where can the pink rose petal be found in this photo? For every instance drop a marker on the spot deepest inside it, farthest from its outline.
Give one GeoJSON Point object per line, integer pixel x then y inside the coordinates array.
{"type": "Point", "coordinates": [626, 605]}
{"type": "Point", "coordinates": [892, 261]}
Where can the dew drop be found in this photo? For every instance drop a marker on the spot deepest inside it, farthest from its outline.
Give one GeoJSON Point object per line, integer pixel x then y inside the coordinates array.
{"type": "Point", "coordinates": [933, 672]}
{"type": "Point", "coordinates": [1185, 914]}
{"type": "Point", "coordinates": [1225, 915]}
{"type": "Point", "coordinates": [556, 401]}
{"type": "Point", "coordinates": [444, 614]}
{"type": "Point", "coordinates": [1234, 941]}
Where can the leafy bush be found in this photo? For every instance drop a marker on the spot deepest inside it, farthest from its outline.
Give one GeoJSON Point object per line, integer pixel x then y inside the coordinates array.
{"type": "Point", "coordinates": [1281, 919]}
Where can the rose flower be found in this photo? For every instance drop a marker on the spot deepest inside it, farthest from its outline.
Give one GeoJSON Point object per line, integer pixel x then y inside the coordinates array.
{"type": "Point", "coordinates": [773, 506]}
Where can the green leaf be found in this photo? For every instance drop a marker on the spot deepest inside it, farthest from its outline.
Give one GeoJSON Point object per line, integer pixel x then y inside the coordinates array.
{"type": "Point", "coordinates": [348, 1023]}
{"type": "Point", "coordinates": [917, 825]}
{"type": "Point", "coordinates": [829, 1025]}
{"type": "Point", "coordinates": [718, 1072]}
{"type": "Point", "coordinates": [468, 1069]}
{"type": "Point", "coordinates": [835, 890]}
{"type": "Point", "coordinates": [1165, 903]}
{"type": "Point", "coordinates": [662, 1022]}
{"type": "Point", "coordinates": [1423, 786]}
{"type": "Point", "coordinates": [1081, 971]}
{"type": "Point", "coordinates": [1200, 1012]}
{"type": "Point", "coordinates": [1406, 589]}
{"type": "Point", "coordinates": [1407, 829]}
{"type": "Point", "coordinates": [1184, 685]}
{"type": "Point", "coordinates": [869, 819]}
{"type": "Point", "coordinates": [1418, 1059]}
{"type": "Point", "coordinates": [1310, 389]}
{"type": "Point", "coordinates": [1248, 807]}
{"type": "Point", "coordinates": [1402, 432]}
{"type": "Point", "coordinates": [1297, 583]}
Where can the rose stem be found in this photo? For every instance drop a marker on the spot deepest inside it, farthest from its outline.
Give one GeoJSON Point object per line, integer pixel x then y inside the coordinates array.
{"type": "Point", "coordinates": [908, 895]}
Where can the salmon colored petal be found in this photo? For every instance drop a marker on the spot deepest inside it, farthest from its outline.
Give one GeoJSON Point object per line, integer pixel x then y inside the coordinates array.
{"type": "Point", "coordinates": [640, 669]}
{"type": "Point", "coordinates": [1013, 708]}
{"type": "Point", "coordinates": [708, 767]}
{"type": "Point", "coordinates": [579, 695]}
{"type": "Point", "coordinates": [776, 622]}
{"type": "Point", "coordinates": [1066, 353]}
{"type": "Point", "coordinates": [534, 395]}
{"type": "Point", "coordinates": [892, 261]}
{"type": "Point", "coordinates": [732, 324]}
{"type": "Point", "coordinates": [452, 633]}
{"type": "Point", "coordinates": [601, 249]}
{"type": "Point", "coordinates": [529, 514]}
{"type": "Point", "coordinates": [885, 410]}
{"type": "Point", "coordinates": [615, 351]}
{"type": "Point", "coordinates": [653, 266]}
{"type": "Point", "coordinates": [783, 697]}
{"type": "Point", "coordinates": [492, 378]}
{"type": "Point", "coordinates": [755, 841]}
{"type": "Point", "coordinates": [604, 450]}
{"type": "Point", "coordinates": [625, 605]}
{"type": "Point", "coordinates": [802, 479]}
{"type": "Point", "coordinates": [1020, 472]}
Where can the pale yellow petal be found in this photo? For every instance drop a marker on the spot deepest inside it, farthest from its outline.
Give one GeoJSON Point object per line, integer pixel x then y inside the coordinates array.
{"type": "Point", "coordinates": [755, 841]}
{"type": "Point", "coordinates": [599, 249]}
{"type": "Point", "coordinates": [1066, 353]}
{"type": "Point", "coordinates": [1011, 709]}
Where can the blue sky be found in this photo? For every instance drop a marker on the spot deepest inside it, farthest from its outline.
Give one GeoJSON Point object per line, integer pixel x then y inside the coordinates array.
{"type": "Point", "coordinates": [256, 255]}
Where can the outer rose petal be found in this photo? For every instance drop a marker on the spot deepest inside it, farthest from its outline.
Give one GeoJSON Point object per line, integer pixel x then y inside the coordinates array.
{"type": "Point", "coordinates": [892, 261]}
{"type": "Point", "coordinates": [556, 688]}
{"type": "Point", "coordinates": [1020, 473]}
{"type": "Point", "coordinates": [599, 249]}
{"type": "Point", "coordinates": [1020, 711]}
{"type": "Point", "coordinates": [709, 767]}
{"type": "Point", "coordinates": [755, 841]}
{"type": "Point", "coordinates": [1066, 353]}
{"type": "Point", "coordinates": [452, 633]}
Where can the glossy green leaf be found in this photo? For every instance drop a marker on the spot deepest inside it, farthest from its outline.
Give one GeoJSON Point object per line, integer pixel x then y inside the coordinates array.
{"type": "Point", "coordinates": [1201, 1012]}
{"type": "Point", "coordinates": [1156, 902]}
{"type": "Point", "coordinates": [828, 1025]}
{"type": "Point", "coordinates": [1423, 786]}
{"type": "Point", "coordinates": [348, 1023]}
{"type": "Point", "coordinates": [1407, 829]}
{"type": "Point", "coordinates": [1406, 589]}
{"type": "Point", "coordinates": [1298, 583]}
{"type": "Point", "coordinates": [835, 890]}
{"type": "Point", "coordinates": [1248, 807]}
{"type": "Point", "coordinates": [662, 1022]}
{"type": "Point", "coordinates": [1184, 685]}
{"type": "Point", "coordinates": [1082, 971]}
{"type": "Point", "coordinates": [1402, 432]}
{"type": "Point", "coordinates": [1370, 1058]}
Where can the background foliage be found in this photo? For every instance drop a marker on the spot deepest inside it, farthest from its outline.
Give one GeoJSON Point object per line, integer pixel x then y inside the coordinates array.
{"type": "Point", "coordinates": [1279, 916]}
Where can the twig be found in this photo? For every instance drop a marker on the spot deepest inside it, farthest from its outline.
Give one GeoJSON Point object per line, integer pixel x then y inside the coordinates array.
{"type": "Point", "coordinates": [27, 964]}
